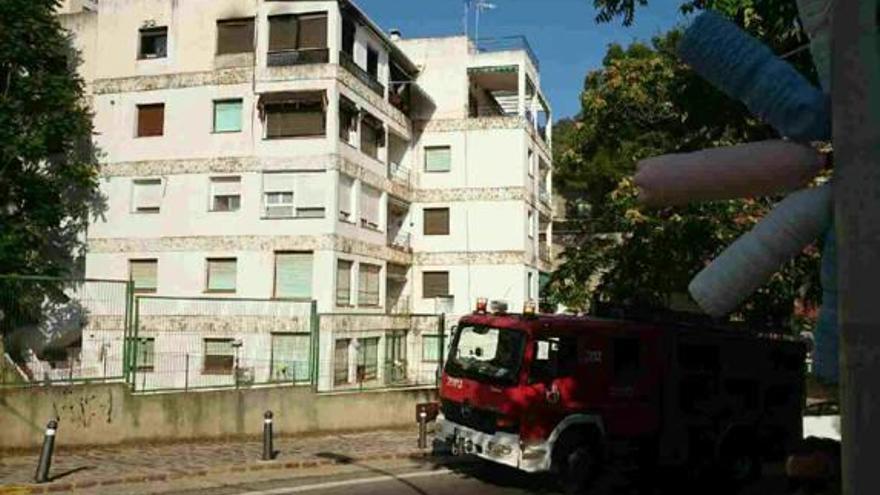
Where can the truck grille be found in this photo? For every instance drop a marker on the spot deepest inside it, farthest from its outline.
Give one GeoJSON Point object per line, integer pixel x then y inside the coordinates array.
{"type": "Point", "coordinates": [469, 416]}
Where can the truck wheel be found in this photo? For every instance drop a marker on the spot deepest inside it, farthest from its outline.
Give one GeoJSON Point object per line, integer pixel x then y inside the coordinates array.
{"type": "Point", "coordinates": [578, 465]}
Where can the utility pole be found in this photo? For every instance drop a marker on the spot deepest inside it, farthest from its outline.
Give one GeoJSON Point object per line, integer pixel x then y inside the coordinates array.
{"type": "Point", "coordinates": [856, 100]}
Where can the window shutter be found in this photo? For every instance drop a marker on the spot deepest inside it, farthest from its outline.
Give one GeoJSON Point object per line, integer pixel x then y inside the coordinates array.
{"type": "Point", "coordinates": [279, 182]}
{"type": "Point", "coordinates": [436, 221]}
{"type": "Point", "coordinates": [226, 186]}
{"type": "Point", "coordinates": [368, 284]}
{"type": "Point", "coordinates": [370, 200]}
{"type": "Point", "coordinates": [312, 32]}
{"type": "Point", "coordinates": [283, 32]}
{"type": "Point", "coordinates": [222, 275]}
{"type": "Point", "coordinates": [346, 189]}
{"type": "Point", "coordinates": [340, 361]}
{"type": "Point", "coordinates": [435, 284]}
{"type": "Point", "coordinates": [293, 276]}
{"type": "Point", "coordinates": [151, 120]}
{"type": "Point", "coordinates": [147, 195]}
{"type": "Point", "coordinates": [438, 159]}
{"type": "Point", "coordinates": [143, 274]}
{"type": "Point", "coordinates": [235, 36]}
{"type": "Point", "coordinates": [343, 283]}
{"type": "Point", "coordinates": [227, 116]}
{"type": "Point", "coordinates": [431, 348]}
{"type": "Point", "coordinates": [310, 190]}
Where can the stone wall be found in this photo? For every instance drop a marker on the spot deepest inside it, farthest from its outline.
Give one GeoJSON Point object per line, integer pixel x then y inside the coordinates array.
{"type": "Point", "coordinates": [110, 414]}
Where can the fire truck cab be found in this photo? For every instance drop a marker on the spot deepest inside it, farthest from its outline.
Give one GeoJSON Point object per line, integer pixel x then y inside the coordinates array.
{"type": "Point", "coordinates": [563, 393]}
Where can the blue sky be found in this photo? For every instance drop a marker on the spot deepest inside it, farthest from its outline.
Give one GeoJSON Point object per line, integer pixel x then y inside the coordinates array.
{"type": "Point", "coordinates": [563, 33]}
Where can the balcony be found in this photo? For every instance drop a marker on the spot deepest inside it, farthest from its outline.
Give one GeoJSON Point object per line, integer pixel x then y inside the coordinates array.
{"type": "Point", "coordinates": [283, 58]}
{"type": "Point", "coordinates": [400, 173]}
{"type": "Point", "coordinates": [346, 61]}
{"type": "Point", "coordinates": [402, 241]}
{"type": "Point", "coordinates": [544, 194]}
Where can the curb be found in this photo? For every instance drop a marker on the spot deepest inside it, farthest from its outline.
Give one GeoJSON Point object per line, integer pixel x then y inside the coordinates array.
{"type": "Point", "coordinates": [28, 489]}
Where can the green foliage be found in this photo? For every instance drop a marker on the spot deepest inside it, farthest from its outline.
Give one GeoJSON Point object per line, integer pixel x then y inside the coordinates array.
{"type": "Point", "coordinates": [644, 102]}
{"type": "Point", "coordinates": [48, 168]}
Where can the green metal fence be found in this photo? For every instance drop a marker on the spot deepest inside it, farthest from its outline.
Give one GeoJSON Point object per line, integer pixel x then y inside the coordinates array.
{"type": "Point", "coordinates": [57, 331]}
{"type": "Point", "coordinates": [60, 331]}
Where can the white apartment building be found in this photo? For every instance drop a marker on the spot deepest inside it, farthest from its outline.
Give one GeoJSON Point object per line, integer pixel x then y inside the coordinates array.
{"type": "Point", "coordinates": [291, 150]}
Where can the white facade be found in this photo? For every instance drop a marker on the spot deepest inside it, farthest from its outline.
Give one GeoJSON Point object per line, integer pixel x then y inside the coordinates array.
{"type": "Point", "coordinates": [336, 203]}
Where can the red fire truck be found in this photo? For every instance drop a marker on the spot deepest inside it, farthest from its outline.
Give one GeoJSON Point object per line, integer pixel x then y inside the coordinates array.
{"type": "Point", "coordinates": [565, 394]}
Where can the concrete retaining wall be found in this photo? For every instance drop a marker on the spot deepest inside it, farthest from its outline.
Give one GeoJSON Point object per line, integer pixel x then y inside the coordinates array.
{"type": "Point", "coordinates": [110, 414]}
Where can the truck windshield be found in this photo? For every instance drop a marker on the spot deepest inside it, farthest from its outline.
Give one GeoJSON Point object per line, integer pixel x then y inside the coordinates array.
{"type": "Point", "coordinates": [486, 353]}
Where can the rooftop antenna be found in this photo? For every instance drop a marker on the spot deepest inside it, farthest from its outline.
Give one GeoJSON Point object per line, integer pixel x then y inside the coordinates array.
{"type": "Point", "coordinates": [481, 5]}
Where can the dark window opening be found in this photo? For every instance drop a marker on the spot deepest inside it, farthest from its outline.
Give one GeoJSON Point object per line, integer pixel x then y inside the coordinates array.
{"type": "Point", "coordinates": [373, 62]}
{"type": "Point", "coordinates": [349, 28]}
{"type": "Point", "coordinates": [153, 43]}
{"type": "Point", "coordinates": [372, 136]}
{"type": "Point", "coordinates": [348, 115]}
{"type": "Point", "coordinates": [235, 36]}
{"type": "Point", "coordinates": [627, 360]}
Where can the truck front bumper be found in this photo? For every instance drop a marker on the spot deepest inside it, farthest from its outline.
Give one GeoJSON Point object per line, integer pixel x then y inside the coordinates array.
{"type": "Point", "coordinates": [503, 448]}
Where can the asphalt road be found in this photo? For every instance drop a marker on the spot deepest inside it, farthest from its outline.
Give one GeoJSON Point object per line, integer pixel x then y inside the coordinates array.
{"type": "Point", "coordinates": [410, 478]}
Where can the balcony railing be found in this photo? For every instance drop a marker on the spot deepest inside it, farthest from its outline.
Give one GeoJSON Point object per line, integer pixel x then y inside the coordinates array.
{"type": "Point", "coordinates": [401, 241]}
{"type": "Point", "coordinates": [544, 195]}
{"type": "Point", "coordinates": [283, 58]}
{"type": "Point", "coordinates": [507, 44]}
{"type": "Point", "coordinates": [365, 77]}
{"type": "Point", "coordinates": [544, 252]}
{"type": "Point", "coordinates": [399, 173]}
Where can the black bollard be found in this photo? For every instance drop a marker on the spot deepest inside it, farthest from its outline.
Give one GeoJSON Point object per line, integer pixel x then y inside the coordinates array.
{"type": "Point", "coordinates": [46, 455]}
{"type": "Point", "coordinates": [423, 429]}
{"type": "Point", "coordinates": [268, 453]}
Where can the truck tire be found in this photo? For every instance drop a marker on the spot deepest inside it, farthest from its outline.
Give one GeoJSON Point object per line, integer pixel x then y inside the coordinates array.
{"type": "Point", "coordinates": [577, 461]}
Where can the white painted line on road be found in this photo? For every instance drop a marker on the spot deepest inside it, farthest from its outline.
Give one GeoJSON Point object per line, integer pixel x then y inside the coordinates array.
{"type": "Point", "coordinates": [356, 481]}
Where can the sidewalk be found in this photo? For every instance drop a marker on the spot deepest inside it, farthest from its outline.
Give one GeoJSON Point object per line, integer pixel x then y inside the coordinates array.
{"type": "Point", "coordinates": [110, 466]}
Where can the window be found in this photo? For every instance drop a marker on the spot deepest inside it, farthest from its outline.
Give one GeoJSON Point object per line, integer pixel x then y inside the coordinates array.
{"type": "Point", "coordinates": [293, 276]}
{"type": "Point", "coordinates": [431, 348]}
{"type": "Point", "coordinates": [219, 357]}
{"type": "Point", "coordinates": [368, 359]}
{"type": "Point", "coordinates": [146, 195]}
{"type": "Point", "coordinates": [343, 282]}
{"type": "Point", "coordinates": [290, 115]}
{"type": "Point", "coordinates": [531, 225]}
{"type": "Point", "coordinates": [349, 29]}
{"type": "Point", "coordinates": [142, 273]}
{"type": "Point", "coordinates": [371, 199]}
{"type": "Point", "coordinates": [438, 159]}
{"type": "Point", "coordinates": [346, 191]}
{"type": "Point", "coordinates": [348, 117]}
{"type": "Point", "coordinates": [372, 136]}
{"type": "Point", "coordinates": [368, 284]}
{"type": "Point", "coordinates": [555, 357]}
{"type": "Point", "coordinates": [290, 357]}
{"type": "Point", "coordinates": [227, 115]}
{"type": "Point", "coordinates": [235, 36]}
{"type": "Point", "coordinates": [529, 282]}
{"type": "Point", "coordinates": [373, 62]}
{"type": "Point", "coordinates": [340, 361]}
{"type": "Point", "coordinates": [146, 355]}
{"type": "Point", "coordinates": [436, 221]}
{"type": "Point", "coordinates": [222, 275]}
{"type": "Point", "coordinates": [153, 43]}
{"type": "Point", "coordinates": [531, 162]}
{"type": "Point", "coordinates": [298, 39]}
{"type": "Point", "coordinates": [151, 120]}
{"type": "Point", "coordinates": [294, 195]}
{"type": "Point", "coordinates": [627, 360]}
{"type": "Point", "coordinates": [225, 193]}
{"type": "Point", "coordinates": [435, 284]}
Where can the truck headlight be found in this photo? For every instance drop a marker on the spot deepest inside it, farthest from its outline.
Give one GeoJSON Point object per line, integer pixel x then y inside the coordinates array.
{"type": "Point", "coordinates": [498, 449]}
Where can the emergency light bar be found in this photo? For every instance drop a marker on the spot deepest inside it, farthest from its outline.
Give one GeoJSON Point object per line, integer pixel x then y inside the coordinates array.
{"type": "Point", "coordinates": [482, 305]}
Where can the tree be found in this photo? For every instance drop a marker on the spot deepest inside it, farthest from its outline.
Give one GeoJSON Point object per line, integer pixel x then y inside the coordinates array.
{"type": "Point", "coordinates": [645, 102]}
{"type": "Point", "coordinates": [48, 167]}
